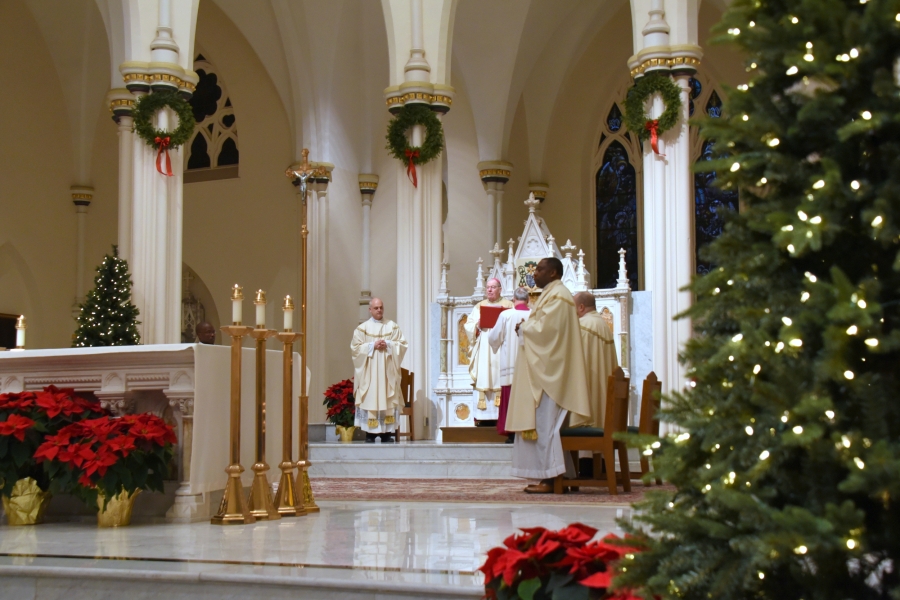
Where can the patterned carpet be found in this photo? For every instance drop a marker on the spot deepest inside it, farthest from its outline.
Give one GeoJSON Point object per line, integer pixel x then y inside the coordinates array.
{"type": "Point", "coordinates": [465, 490]}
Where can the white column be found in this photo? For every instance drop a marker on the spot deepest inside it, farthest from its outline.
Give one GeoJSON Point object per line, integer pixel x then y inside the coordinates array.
{"type": "Point", "coordinates": [498, 228]}
{"type": "Point", "coordinates": [491, 188]}
{"type": "Point", "coordinates": [121, 102]}
{"type": "Point", "coordinates": [368, 183]}
{"type": "Point", "coordinates": [494, 175]}
{"type": "Point", "coordinates": [81, 198]}
{"type": "Point", "coordinates": [317, 282]}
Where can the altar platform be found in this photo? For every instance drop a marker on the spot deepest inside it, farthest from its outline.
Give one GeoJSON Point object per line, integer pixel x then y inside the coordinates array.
{"type": "Point", "coordinates": [350, 550]}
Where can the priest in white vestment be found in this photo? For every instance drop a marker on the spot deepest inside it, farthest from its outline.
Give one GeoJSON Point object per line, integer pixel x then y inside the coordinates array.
{"type": "Point", "coordinates": [483, 366]}
{"type": "Point", "coordinates": [599, 353]}
{"type": "Point", "coordinates": [549, 382]}
{"type": "Point", "coordinates": [505, 344]}
{"type": "Point", "coordinates": [378, 348]}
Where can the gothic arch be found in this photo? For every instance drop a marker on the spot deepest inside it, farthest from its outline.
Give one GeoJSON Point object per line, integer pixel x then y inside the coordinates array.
{"type": "Point", "coordinates": [213, 151]}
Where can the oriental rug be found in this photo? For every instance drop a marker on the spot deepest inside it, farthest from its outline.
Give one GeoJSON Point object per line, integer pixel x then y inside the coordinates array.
{"type": "Point", "coordinates": [507, 491]}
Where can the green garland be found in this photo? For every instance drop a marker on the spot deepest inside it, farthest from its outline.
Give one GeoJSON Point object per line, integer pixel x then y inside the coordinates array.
{"type": "Point", "coordinates": [636, 119]}
{"type": "Point", "coordinates": [398, 145]}
{"type": "Point", "coordinates": [147, 106]}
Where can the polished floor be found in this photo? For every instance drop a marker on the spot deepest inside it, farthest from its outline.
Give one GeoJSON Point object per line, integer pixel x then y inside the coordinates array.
{"type": "Point", "coordinates": [409, 548]}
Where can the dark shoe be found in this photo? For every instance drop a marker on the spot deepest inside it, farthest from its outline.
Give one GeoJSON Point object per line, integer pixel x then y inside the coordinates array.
{"type": "Point", "coordinates": [511, 438]}
{"type": "Point", "coordinates": [387, 438]}
{"type": "Point", "coordinates": [370, 438]}
{"type": "Point", "coordinates": [540, 488]}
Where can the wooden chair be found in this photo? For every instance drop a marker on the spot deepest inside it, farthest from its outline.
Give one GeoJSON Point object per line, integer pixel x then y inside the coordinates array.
{"type": "Point", "coordinates": [600, 441]}
{"type": "Point", "coordinates": [649, 424]}
{"type": "Point", "coordinates": [407, 385]}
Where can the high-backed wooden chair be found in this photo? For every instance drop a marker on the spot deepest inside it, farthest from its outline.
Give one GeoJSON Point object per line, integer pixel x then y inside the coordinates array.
{"type": "Point", "coordinates": [407, 385]}
{"type": "Point", "coordinates": [600, 441]}
{"type": "Point", "coordinates": [649, 423]}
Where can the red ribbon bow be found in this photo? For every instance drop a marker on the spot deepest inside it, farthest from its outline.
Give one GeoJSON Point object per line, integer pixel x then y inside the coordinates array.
{"type": "Point", "coordinates": [162, 145]}
{"type": "Point", "coordinates": [653, 128]}
{"type": "Point", "coordinates": [411, 156]}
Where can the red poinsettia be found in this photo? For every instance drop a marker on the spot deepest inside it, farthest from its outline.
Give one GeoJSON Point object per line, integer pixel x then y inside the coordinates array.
{"type": "Point", "coordinates": [341, 403]}
{"type": "Point", "coordinates": [16, 426]}
{"type": "Point", "coordinates": [558, 563]}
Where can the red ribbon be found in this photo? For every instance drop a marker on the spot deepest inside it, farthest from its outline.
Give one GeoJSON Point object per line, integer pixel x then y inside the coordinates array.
{"type": "Point", "coordinates": [162, 145]}
{"type": "Point", "coordinates": [653, 128]}
{"type": "Point", "coordinates": [411, 156]}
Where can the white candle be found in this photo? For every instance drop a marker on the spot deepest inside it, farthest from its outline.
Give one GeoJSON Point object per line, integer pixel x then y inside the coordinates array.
{"type": "Point", "coordinates": [20, 332]}
{"type": "Point", "coordinates": [237, 301]}
{"type": "Point", "coordinates": [260, 303]}
{"type": "Point", "coordinates": [288, 314]}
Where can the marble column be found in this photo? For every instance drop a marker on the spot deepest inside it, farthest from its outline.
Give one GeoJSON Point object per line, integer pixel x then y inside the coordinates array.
{"type": "Point", "coordinates": [494, 175]}
{"type": "Point", "coordinates": [121, 103]}
{"type": "Point", "coordinates": [368, 183]}
{"type": "Point", "coordinates": [81, 198]}
{"type": "Point", "coordinates": [317, 281]}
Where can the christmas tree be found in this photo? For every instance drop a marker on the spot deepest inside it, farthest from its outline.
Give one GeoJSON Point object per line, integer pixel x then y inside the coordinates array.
{"type": "Point", "coordinates": [786, 455]}
{"type": "Point", "coordinates": [108, 318]}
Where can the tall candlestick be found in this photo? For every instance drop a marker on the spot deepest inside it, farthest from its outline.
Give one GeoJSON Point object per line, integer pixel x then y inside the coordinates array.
{"type": "Point", "coordinates": [260, 302]}
{"type": "Point", "coordinates": [288, 314]}
{"type": "Point", "coordinates": [237, 301]}
{"type": "Point", "coordinates": [20, 332]}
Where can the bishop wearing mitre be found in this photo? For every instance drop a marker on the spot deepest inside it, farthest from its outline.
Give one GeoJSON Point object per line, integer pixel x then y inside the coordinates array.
{"type": "Point", "coordinates": [484, 368]}
{"type": "Point", "coordinates": [549, 382]}
{"type": "Point", "coordinates": [378, 348]}
{"type": "Point", "coordinates": [599, 353]}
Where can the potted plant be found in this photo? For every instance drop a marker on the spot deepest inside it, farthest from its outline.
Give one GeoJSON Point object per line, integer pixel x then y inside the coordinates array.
{"type": "Point", "coordinates": [341, 408]}
{"type": "Point", "coordinates": [562, 565]}
{"type": "Point", "coordinates": [108, 461]}
{"type": "Point", "coordinates": [26, 420]}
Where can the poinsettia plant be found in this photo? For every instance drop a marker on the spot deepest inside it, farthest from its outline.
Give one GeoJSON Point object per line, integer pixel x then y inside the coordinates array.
{"type": "Point", "coordinates": [341, 403]}
{"type": "Point", "coordinates": [26, 420]}
{"type": "Point", "coordinates": [108, 455]}
{"type": "Point", "coordinates": [540, 564]}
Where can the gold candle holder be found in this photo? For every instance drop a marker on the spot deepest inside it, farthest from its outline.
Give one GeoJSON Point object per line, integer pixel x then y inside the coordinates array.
{"type": "Point", "coordinates": [234, 510]}
{"type": "Point", "coordinates": [303, 464]}
{"type": "Point", "coordinates": [286, 500]}
{"type": "Point", "coordinates": [261, 504]}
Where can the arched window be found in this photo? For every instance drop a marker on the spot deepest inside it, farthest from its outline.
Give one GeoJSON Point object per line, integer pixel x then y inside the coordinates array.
{"type": "Point", "coordinates": [710, 202]}
{"type": "Point", "coordinates": [617, 189]}
{"type": "Point", "coordinates": [213, 151]}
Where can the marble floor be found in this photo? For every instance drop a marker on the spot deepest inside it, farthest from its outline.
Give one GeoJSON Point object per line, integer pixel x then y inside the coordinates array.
{"type": "Point", "coordinates": [349, 549]}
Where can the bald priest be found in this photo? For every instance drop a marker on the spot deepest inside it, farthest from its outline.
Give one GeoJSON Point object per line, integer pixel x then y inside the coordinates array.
{"type": "Point", "coordinates": [484, 366]}
{"type": "Point", "coordinates": [378, 348]}
{"type": "Point", "coordinates": [549, 382]}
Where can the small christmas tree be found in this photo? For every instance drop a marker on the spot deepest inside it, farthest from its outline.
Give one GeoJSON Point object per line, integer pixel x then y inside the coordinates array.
{"type": "Point", "coordinates": [787, 462]}
{"type": "Point", "coordinates": [108, 318]}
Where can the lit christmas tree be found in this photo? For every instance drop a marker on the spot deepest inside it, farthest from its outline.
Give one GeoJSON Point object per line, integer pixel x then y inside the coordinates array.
{"type": "Point", "coordinates": [108, 318]}
{"type": "Point", "coordinates": [787, 464]}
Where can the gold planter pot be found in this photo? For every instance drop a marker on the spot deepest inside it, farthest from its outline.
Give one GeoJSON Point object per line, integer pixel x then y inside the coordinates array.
{"type": "Point", "coordinates": [346, 433]}
{"type": "Point", "coordinates": [118, 509]}
{"type": "Point", "coordinates": [26, 504]}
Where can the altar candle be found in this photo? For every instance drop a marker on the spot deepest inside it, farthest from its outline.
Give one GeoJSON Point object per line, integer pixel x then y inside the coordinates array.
{"type": "Point", "coordinates": [237, 301]}
{"type": "Point", "coordinates": [260, 302]}
{"type": "Point", "coordinates": [288, 313]}
{"type": "Point", "coordinates": [20, 332]}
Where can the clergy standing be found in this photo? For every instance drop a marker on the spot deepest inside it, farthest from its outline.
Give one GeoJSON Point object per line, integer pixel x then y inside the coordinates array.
{"type": "Point", "coordinates": [549, 382]}
{"type": "Point", "coordinates": [483, 366]}
{"type": "Point", "coordinates": [599, 353]}
{"type": "Point", "coordinates": [378, 347]}
{"type": "Point", "coordinates": [505, 344]}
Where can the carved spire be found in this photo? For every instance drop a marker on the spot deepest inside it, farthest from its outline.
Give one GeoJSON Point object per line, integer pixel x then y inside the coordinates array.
{"type": "Point", "coordinates": [532, 203]}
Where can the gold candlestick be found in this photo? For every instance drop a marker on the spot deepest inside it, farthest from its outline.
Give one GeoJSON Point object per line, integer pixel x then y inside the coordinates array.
{"type": "Point", "coordinates": [261, 505]}
{"type": "Point", "coordinates": [286, 500]}
{"type": "Point", "coordinates": [234, 510]}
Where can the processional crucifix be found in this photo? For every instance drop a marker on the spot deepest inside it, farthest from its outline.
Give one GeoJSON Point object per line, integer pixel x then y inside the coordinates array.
{"type": "Point", "coordinates": [301, 176]}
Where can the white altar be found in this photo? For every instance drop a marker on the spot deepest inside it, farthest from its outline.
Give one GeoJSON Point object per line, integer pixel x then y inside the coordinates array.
{"type": "Point", "coordinates": [455, 399]}
{"type": "Point", "coordinates": [188, 384]}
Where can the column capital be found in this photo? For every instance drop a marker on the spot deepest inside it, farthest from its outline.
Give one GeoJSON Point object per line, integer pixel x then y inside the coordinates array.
{"type": "Point", "coordinates": [439, 97]}
{"type": "Point", "coordinates": [495, 170]}
{"type": "Point", "coordinates": [539, 189]}
{"type": "Point", "coordinates": [143, 77]}
{"type": "Point", "coordinates": [81, 196]}
{"type": "Point", "coordinates": [121, 103]}
{"type": "Point", "coordinates": [368, 183]}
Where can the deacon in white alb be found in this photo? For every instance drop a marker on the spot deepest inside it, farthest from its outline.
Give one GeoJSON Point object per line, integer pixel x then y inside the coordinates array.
{"type": "Point", "coordinates": [483, 366]}
{"type": "Point", "coordinates": [505, 343]}
{"type": "Point", "coordinates": [378, 347]}
{"type": "Point", "coordinates": [549, 381]}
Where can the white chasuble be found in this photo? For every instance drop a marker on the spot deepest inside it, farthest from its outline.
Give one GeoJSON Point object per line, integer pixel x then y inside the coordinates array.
{"type": "Point", "coordinates": [505, 342]}
{"type": "Point", "coordinates": [483, 365]}
{"type": "Point", "coordinates": [599, 360]}
{"type": "Point", "coordinates": [376, 385]}
{"type": "Point", "coordinates": [550, 361]}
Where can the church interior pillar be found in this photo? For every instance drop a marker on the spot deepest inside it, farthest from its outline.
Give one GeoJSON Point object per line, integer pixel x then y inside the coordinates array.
{"type": "Point", "coordinates": [81, 198]}
{"type": "Point", "coordinates": [494, 175]}
{"type": "Point", "coordinates": [368, 183]}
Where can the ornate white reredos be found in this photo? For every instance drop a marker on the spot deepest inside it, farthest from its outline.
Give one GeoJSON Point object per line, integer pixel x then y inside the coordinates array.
{"type": "Point", "coordinates": [536, 242]}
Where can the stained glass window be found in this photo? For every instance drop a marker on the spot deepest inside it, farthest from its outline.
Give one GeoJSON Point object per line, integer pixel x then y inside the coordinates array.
{"type": "Point", "coordinates": [710, 203]}
{"type": "Point", "coordinates": [714, 106]}
{"type": "Point", "coordinates": [215, 141]}
{"type": "Point", "coordinates": [617, 223]}
{"type": "Point", "coordinates": [614, 118]}
{"type": "Point", "coordinates": [696, 89]}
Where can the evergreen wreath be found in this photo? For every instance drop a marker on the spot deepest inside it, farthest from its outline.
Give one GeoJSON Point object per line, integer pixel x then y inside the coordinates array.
{"type": "Point", "coordinates": [147, 106]}
{"type": "Point", "coordinates": [398, 144]}
{"type": "Point", "coordinates": [636, 119]}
